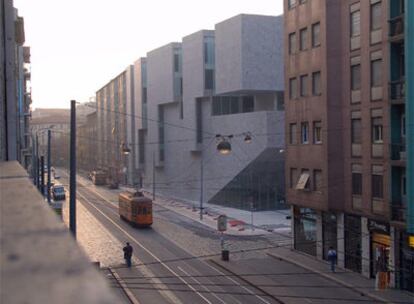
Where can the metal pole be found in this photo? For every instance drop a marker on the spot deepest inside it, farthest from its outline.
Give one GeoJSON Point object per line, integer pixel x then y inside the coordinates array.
{"type": "Point", "coordinates": [72, 189]}
{"type": "Point", "coordinates": [153, 175]}
{"type": "Point", "coordinates": [33, 161]}
{"type": "Point", "coordinates": [37, 161]}
{"type": "Point", "coordinates": [42, 175]}
{"type": "Point", "coordinates": [201, 184]}
{"type": "Point", "coordinates": [49, 136]}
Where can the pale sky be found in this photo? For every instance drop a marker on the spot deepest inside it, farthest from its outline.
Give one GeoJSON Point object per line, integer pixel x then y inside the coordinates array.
{"type": "Point", "coordinates": [77, 46]}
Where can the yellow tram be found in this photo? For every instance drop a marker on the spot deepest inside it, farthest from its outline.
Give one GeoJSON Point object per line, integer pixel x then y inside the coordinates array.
{"type": "Point", "coordinates": [135, 208]}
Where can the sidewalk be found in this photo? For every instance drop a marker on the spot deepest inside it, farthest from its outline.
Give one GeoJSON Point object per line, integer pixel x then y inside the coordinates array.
{"type": "Point", "coordinates": [238, 221]}
{"type": "Point", "coordinates": [343, 277]}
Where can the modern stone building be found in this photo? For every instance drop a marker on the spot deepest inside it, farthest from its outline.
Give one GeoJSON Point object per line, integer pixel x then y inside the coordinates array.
{"type": "Point", "coordinates": [226, 82]}
{"type": "Point", "coordinates": [15, 91]}
{"type": "Point", "coordinates": [344, 129]}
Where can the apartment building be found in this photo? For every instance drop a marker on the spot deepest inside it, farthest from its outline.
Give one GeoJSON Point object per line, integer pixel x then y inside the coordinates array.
{"type": "Point", "coordinates": [15, 97]}
{"type": "Point", "coordinates": [340, 138]}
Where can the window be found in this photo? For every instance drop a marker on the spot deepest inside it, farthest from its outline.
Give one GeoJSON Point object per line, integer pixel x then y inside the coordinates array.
{"type": "Point", "coordinates": [292, 43]}
{"type": "Point", "coordinates": [376, 16]}
{"type": "Point", "coordinates": [356, 183]}
{"type": "Point", "coordinates": [356, 131]}
{"type": "Point", "coordinates": [355, 24]}
{"type": "Point", "coordinates": [316, 83]}
{"type": "Point", "coordinates": [317, 132]}
{"type": "Point", "coordinates": [377, 185]}
{"type": "Point", "coordinates": [305, 132]}
{"type": "Point", "coordinates": [376, 70]}
{"type": "Point", "coordinates": [208, 79]}
{"type": "Point", "coordinates": [176, 63]}
{"type": "Point", "coordinates": [303, 182]}
{"type": "Point", "coordinates": [234, 105]}
{"type": "Point", "coordinates": [303, 39]}
{"type": "Point", "coordinates": [199, 120]}
{"type": "Point", "coordinates": [292, 134]}
{"type": "Point", "coordinates": [377, 130]}
{"type": "Point", "coordinates": [291, 4]}
{"type": "Point", "coordinates": [316, 40]}
{"type": "Point", "coordinates": [247, 104]}
{"type": "Point", "coordinates": [302, 1]}
{"type": "Point", "coordinates": [293, 89]}
{"type": "Point", "coordinates": [293, 177]}
{"type": "Point", "coordinates": [303, 85]}
{"type": "Point", "coordinates": [356, 77]}
{"type": "Point", "coordinates": [317, 180]}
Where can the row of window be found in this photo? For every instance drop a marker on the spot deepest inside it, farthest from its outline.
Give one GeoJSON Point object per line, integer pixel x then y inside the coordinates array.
{"type": "Point", "coordinates": [303, 38]}
{"type": "Point", "coordinates": [304, 133]}
{"type": "Point", "coordinates": [224, 105]}
{"type": "Point", "coordinates": [303, 85]}
{"type": "Point", "coordinates": [293, 3]}
{"type": "Point", "coordinates": [304, 180]}
{"type": "Point", "coordinates": [376, 74]}
{"type": "Point", "coordinates": [377, 181]}
{"type": "Point", "coordinates": [376, 130]}
{"type": "Point", "coordinates": [375, 19]}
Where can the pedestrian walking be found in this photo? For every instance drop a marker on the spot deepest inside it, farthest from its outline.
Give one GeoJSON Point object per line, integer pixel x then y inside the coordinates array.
{"type": "Point", "coordinates": [128, 254]}
{"type": "Point", "coordinates": [332, 258]}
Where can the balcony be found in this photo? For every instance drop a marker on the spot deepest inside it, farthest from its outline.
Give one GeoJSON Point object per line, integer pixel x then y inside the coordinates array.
{"type": "Point", "coordinates": [397, 91]}
{"type": "Point", "coordinates": [398, 153]}
{"type": "Point", "coordinates": [398, 212]}
{"type": "Point", "coordinates": [396, 29]}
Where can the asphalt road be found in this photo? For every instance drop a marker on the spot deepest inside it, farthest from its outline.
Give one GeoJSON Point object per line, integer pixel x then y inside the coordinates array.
{"type": "Point", "coordinates": [169, 267]}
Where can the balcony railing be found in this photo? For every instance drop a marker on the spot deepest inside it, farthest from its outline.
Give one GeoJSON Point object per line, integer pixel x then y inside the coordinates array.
{"type": "Point", "coordinates": [396, 27]}
{"type": "Point", "coordinates": [398, 212]}
{"type": "Point", "coordinates": [397, 89]}
{"type": "Point", "coordinates": [398, 152]}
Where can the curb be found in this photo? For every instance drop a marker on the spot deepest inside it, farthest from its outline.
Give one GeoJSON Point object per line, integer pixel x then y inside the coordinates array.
{"type": "Point", "coordinates": [361, 292]}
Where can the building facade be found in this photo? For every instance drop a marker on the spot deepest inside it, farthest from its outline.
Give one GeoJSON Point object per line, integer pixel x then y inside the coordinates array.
{"type": "Point", "coordinates": [342, 134]}
{"type": "Point", "coordinates": [15, 97]}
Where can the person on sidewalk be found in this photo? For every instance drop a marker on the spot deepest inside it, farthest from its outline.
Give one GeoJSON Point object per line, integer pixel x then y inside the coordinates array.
{"type": "Point", "coordinates": [128, 254]}
{"type": "Point", "coordinates": [332, 258]}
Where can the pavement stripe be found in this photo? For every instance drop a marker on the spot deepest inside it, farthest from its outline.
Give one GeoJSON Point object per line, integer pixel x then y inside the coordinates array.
{"type": "Point", "coordinates": [124, 287]}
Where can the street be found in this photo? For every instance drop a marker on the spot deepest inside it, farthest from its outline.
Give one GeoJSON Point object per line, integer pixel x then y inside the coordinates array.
{"type": "Point", "coordinates": [177, 260]}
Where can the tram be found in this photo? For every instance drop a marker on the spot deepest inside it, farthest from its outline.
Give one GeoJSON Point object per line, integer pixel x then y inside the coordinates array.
{"type": "Point", "coordinates": [135, 208]}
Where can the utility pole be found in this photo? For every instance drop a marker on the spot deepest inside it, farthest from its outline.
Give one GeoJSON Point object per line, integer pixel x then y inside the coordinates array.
{"type": "Point", "coordinates": [33, 161]}
{"type": "Point", "coordinates": [153, 175]}
{"type": "Point", "coordinates": [201, 184]}
{"type": "Point", "coordinates": [72, 187]}
{"type": "Point", "coordinates": [49, 136]}
{"type": "Point", "coordinates": [42, 175]}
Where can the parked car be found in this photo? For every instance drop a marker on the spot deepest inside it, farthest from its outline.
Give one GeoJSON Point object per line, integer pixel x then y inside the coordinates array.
{"type": "Point", "coordinates": [58, 192]}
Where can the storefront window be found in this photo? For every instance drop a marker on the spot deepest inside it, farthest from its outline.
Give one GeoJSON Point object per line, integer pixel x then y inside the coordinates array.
{"type": "Point", "coordinates": [329, 234]}
{"type": "Point", "coordinates": [380, 247]}
{"type": "Point", "coordinates": [353, 242]}
{"type": "Point", "coordinates": [406, 269]}
{"type": "Point", "coordinates": [305, 230]}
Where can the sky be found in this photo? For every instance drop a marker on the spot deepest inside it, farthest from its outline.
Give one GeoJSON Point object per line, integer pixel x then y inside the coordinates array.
{"type": "Point", "coordinates": [77, 46]}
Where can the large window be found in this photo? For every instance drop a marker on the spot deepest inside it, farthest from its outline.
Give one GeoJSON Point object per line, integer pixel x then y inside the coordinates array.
{"type": "Point", "coordinates": [355, 24]}
{"type": "Point", "coordinates": [376, 70]}
{"type": "Point", "coordinates": [356, 77]}
{"type": "Point", "coordinates": [317, 132]}
{"type": "Point", "coordinates": [293, 177]}
{"type": "Point", "coordinates": [293, 88]}
{"type": "Point", "coordinates": [377, 185]}
{"type": "Point", "coordinates": [292, 43]}
{"type": "Point", "coordinates": [316, 39]}
{"type": "Point", "coordinates": [224, 105]}
{"type": "Point", "coordinates": [293, 134]}
{"type": "Point", "coordinates": [356, 131]}
{"type": "Point", "coordinates": [377, 130]}
{"type": "Point", "coordinates": [356, 180]}
{"type": "Point", "coordinates": [291, 3]}
{"type": "Point", "coordinates": [303, 41]}
{"type": "Point", "coordinates": [376, 16]}
{"type": "Point", "coordinates": [208, 79]}
{"type": "Point", "coordinates": [304, 133]}
{"type": "Point", "coordinates": [316, 83]}
{"type": "Point", "coordinates": [303, 85]}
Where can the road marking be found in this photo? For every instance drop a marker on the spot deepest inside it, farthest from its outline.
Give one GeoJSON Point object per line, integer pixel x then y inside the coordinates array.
{"type": "Point", "coordinates": [199, 283]}
{"type": "Point", "coordinates": [234, 281]}
{"type": "Point", "coordinates": [124, 287]}
{"type": "Point", "coordinates": [145, 249]}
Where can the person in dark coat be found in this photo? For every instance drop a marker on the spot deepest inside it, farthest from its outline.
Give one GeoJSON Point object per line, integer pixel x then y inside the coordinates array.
{"type": "Point", "coordinates": [332, 258]}
{"type": "Point", "coordinates": [128, 254]}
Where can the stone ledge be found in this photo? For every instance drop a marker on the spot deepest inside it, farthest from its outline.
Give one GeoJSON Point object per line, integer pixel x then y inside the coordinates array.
{"type": "Point", "coordinates": [40, 261]}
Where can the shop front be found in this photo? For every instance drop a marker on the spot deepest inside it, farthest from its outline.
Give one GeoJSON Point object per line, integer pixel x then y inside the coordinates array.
{"type": "Point", "coordinates": [329, 233]}
{"type": "Point", "coordinates": [405, 269]}
{"type": "Point", "coordinates": [353, 242]}
{"type": "Point", "coordinates": [380, 248]}
{"type": "Point", "coordinates": [305, 230]}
